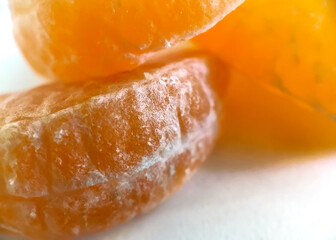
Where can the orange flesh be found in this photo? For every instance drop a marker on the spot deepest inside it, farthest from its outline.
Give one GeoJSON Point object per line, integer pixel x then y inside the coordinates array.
{"type": "Point", "coordinates": [77, 159]}
{"type": "Point", "coordinates": [286, 44]}
{"type": "Point", "coordinates": [260, 117]}
{"type": "Point", "coordinates": [78, 40]}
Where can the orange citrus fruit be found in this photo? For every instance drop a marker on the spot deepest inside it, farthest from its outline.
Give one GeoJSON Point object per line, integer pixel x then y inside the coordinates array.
{"type": "Point", "coordinates": [75, 40]}
{"type": "Point", "coordinates": [262, 117]}
{"type": "Point", "coordinates": [77, 159]}
{"type": "Point", "coordinates": [288, 44]}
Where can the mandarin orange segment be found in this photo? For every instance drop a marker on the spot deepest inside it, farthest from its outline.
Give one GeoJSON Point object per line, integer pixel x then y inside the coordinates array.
{"type": "Point", "coordinates": [263, 117]}
{"type": "Point", "coordinates": [288, 44]}
{"type": "Point", "coordinates": [77, 159]}
{"type": "Point", "coordinates": [76, 40]}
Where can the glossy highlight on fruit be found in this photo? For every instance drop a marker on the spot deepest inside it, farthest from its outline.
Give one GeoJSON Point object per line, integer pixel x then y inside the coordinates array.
{"type": "Point", "coordinates": [76, 40]}
{"type": "Point", "coordinates": [287, 44]}
{"type": "Point", "coordinates": [78, 159]}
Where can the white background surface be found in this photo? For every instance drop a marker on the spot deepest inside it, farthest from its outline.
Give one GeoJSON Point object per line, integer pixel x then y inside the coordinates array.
{"type": "Point", "coordinates": [239, 194]}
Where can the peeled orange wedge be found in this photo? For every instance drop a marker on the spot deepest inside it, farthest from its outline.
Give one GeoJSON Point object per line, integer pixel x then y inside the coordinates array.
{"type": "Point", "coordinates": [77, 40]}
{"type": "Point", "coordinates": [80, 158]}
{"type": "Point", "coordinates": [287, 44]}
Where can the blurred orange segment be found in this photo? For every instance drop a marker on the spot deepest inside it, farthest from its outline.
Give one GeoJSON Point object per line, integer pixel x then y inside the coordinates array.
{"type": "Point", "coordinates": [289, 44]}
{"type": "Point", "coordinates": [77, 159]}
{"type": "Point", "coordinates": [75, 40]}
{"type": "Point", "coordinates": [266, 118]}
